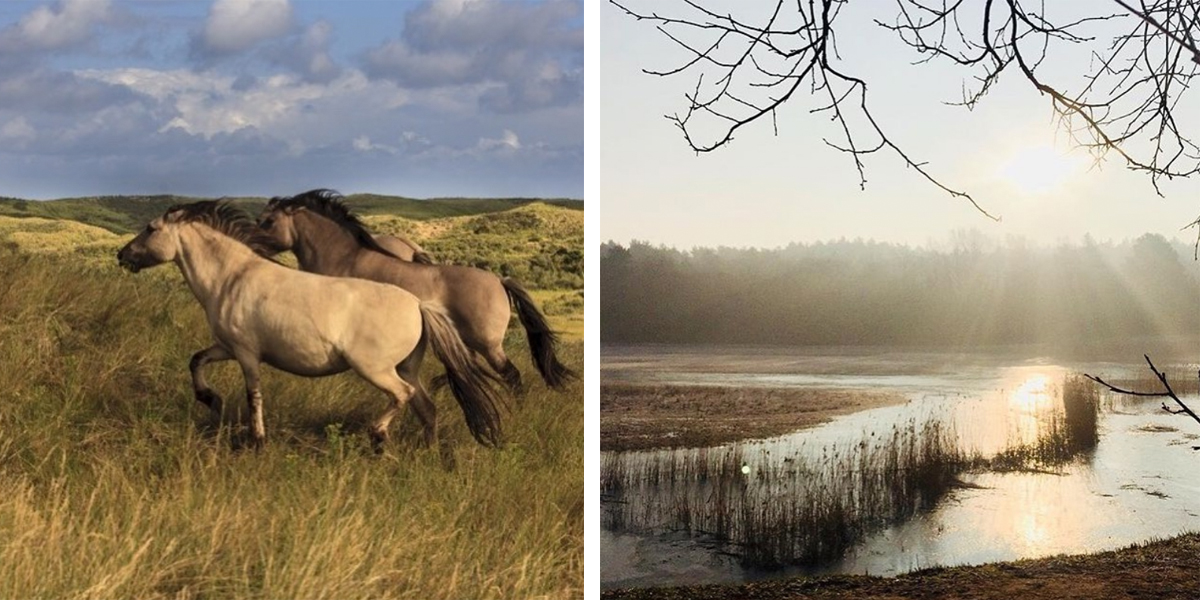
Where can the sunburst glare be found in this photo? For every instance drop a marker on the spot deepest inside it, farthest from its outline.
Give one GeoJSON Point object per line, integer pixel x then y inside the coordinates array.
{"type": "Point", "coordinates": [1039, 169]}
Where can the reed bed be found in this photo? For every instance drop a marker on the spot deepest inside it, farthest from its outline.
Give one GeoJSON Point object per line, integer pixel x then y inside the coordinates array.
{"type": "Point", "coordinates": [807, 508]}
{"type": "Point", "coordinates": [1066, 432]}
{"type": "Point", "coordinates": [810, 506]}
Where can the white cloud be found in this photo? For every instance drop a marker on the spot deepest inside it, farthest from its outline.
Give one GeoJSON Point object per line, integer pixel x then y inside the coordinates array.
{"type": "Point", "coordinates": [307, 53]}
{"type": "Point", "coordinates": [529, 55]}
{"type": "Point", "coordinates": [206, 103]}
{"type": "Point", "coordinates": [507, 142]}
{"type": "Point", "coordinates": [235, 25]}
{"type": "Point", "coordinates": [18, 130]}
{"type": "Point", "coordinates": [66, 24]}
{"type": "Point", "coordinates": [301, 113]}
{"type": "Point", "coordinates": [363, 143]}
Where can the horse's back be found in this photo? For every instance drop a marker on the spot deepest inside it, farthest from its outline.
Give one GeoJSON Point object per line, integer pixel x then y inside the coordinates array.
{"type": "Point", "coordinates": [402, 247]}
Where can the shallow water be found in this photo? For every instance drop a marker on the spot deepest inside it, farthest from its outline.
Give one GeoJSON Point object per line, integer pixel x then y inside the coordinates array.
{"type": "Point", "coordinates": [1134, 487]}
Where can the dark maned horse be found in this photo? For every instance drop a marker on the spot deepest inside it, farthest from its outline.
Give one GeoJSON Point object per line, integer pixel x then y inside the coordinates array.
{"type": "Point", "coordinates": [328, 239]}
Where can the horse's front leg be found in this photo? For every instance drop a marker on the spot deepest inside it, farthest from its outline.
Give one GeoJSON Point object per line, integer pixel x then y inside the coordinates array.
{"type": "Point", "coordinates": [204, 394]}
{"type": "Point", "coordinates": [254, 399]}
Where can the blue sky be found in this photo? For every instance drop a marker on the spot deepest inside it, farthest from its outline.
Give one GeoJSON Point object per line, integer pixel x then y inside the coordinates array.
{"type": "Point", "coordinates": [767, 189]}
{"type": "Point", "coordinates": [267, 97]}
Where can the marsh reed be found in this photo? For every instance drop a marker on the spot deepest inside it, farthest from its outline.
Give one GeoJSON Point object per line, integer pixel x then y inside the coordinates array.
{"type": "Point", "coordinates": [811, 505]}
{"type": "Point", "coordinates": [1065, 433]}
{"type": "Point", "coordinates": [803, 509]}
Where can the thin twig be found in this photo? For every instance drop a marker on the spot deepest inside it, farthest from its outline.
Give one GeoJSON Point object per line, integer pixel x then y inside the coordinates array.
{"type": "Point", "coordinates": [1184, 409]}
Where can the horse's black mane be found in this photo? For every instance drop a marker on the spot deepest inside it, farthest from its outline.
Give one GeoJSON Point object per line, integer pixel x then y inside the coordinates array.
{"type": "Point", "coordinates": [332, 205]}
{"type": "Point", "coordinates": [227, 219]}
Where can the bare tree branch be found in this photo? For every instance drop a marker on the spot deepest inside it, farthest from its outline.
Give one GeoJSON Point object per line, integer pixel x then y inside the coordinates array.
{"type": "Point", "coordinates": [1168, 392]}
{"type": "Point", "coordinates": [1144, 59]}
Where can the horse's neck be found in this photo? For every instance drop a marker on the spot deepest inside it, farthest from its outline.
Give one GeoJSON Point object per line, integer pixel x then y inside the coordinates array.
{"type": "Point", "coordinates": [208, 260]}
{"type": "Point", "coordinates": [322, 246]}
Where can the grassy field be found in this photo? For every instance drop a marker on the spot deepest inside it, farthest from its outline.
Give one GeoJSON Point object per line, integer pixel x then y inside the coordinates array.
{"type": "Point", "coordinates": [539, 243]}
{"type": "Point", "coordinates": [114, 482]}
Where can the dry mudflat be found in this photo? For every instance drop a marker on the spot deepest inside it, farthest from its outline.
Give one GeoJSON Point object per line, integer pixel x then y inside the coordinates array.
{"type": "Point", "coordinates": [642, 416]}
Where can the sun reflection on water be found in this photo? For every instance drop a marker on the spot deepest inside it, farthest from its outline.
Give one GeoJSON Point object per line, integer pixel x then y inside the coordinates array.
{"type": "Point", "coordinates": [1033, 395]}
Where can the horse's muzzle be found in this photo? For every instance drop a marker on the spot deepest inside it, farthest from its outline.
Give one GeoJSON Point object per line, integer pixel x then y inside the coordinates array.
{"type": "Point", "coordinates": [126, 263]}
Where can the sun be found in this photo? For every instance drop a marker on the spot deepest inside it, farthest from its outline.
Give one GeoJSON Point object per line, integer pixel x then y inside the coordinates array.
{"type": "Point", "coordinates": [1039, 169]}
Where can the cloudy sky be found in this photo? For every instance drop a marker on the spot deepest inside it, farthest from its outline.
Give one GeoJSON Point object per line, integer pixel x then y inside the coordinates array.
{"type": "Point", "coordinates": [223, 97]}
{"type": "Point", "coordinates": [767, 190]}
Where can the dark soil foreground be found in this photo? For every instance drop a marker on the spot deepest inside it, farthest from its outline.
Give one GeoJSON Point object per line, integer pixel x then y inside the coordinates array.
{"type": "Point", "coordinates": [1163, 569]}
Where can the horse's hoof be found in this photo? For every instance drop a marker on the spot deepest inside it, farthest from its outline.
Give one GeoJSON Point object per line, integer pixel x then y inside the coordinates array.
{"type": "Point", "coordinates": [379, 439]}
{"type": "Point", "coordinates": [210, 399]}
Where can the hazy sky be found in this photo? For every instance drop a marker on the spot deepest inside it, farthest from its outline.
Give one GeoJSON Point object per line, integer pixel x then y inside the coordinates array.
{"type": "Point", "coordinates": [428, 98]}
{"type": "Point", "coordinates": [765, 190]}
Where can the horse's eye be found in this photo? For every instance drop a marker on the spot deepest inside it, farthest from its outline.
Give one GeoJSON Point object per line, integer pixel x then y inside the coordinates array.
{"type": "Point", "coordinates": [267, 223]}
{"type": "Point", "coordinates": [150, 229]}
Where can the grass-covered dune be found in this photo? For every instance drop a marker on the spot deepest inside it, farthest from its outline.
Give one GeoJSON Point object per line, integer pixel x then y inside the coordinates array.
{"type": "Point", "coordinates": [538, 242]}
{"type": "Point", "coordinates": [126, 214]}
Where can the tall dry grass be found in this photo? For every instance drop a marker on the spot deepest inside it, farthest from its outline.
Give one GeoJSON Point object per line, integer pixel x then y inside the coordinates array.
{"type": "Point", "coordinates": [115, 483]}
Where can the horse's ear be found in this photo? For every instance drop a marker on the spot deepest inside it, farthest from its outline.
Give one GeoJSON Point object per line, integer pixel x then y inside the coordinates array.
{"type": "Point", "coordinates": [291, 209]}
{"type": "Point", "coordinates": [173, 214]}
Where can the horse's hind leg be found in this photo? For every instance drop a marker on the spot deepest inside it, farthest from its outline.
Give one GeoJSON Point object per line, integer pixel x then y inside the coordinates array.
{"type": "Point", "coordinates": [204, 394]}
{"type": "Point", "coordinates": [426, 411]}
{"type": "Point", "coordinates": [506, 369]}
{"type": "Point", "coordinates": [399, 390]}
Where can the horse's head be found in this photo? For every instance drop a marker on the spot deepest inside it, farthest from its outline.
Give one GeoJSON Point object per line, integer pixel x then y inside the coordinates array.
{"type": "Point", "coordinates": [155, 244]}
{"type": "Point", "coordinates": [276, 221]}
{"type": "Point", "coordinates": [320, 215]}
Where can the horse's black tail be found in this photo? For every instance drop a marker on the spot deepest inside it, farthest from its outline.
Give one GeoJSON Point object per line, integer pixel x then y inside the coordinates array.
{"type": "Point", "coordinates": [422, 257]}
{"type": "Point", "coordinates": [542, 339]}
{"type": "Point", "coordinates": [473, 386]}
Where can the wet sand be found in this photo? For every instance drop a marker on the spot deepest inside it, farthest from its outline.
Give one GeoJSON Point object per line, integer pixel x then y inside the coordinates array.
{"type": "Point", "coordinates": [1163, 569]}
{"type": "Point", "coordinates": [643, 416]}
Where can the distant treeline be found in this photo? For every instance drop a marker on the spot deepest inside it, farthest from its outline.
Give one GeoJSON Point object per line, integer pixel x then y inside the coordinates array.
{"type": "Point", "coordinates": [864, 293]}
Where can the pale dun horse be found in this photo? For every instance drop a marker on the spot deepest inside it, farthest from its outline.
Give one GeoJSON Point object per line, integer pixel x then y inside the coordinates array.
{"type": "Point", "coordinates": [307, 324]}
{"type": "Point", "coordinates": [328, 239]}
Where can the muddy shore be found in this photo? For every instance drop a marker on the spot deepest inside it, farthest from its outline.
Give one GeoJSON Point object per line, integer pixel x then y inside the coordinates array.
{"type": "Point", "coordinates": [643, 416]}
{"type": "Point", "coordinates": [1161, 569]}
